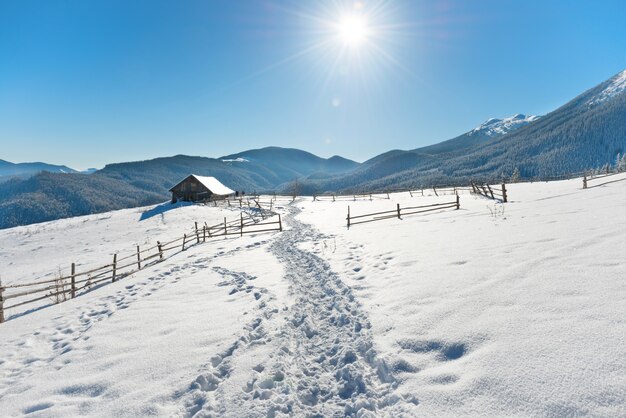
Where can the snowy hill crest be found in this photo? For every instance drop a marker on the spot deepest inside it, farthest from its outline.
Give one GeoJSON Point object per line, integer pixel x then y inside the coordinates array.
{"type": "Point", "coordinates": [617, 85]}
{"type": "Point", "coordinates": [498, 127]}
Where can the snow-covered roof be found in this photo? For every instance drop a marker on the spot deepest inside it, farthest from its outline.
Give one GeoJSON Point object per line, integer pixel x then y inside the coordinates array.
{"type": "Point", "coordinates": [211, 183]}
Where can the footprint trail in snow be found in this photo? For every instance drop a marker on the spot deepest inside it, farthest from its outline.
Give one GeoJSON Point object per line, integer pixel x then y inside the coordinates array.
{"type": "Point", "coordinates": [322, 362]}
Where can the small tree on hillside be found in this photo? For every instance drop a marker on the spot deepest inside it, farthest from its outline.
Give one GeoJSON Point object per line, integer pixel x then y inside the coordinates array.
{"type": "Point", "coordinates": [516, 176]}
{"type": "Point", "coordinates": [295, 190]}
{"type": "Point", "coordinates": [620, 162]}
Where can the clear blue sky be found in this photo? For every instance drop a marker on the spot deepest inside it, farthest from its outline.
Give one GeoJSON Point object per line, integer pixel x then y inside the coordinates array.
{"type": "Point", "coordinates": [85, 83]}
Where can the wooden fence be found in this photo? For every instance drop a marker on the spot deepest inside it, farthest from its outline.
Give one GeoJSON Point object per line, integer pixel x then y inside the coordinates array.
{"type": "Point", "coordinates": [399, 212]}
{"type": "Point", "coordinates": [438, 191]}
{"type": "Point", "coordinates": [489, 192]}
{"type": "Point", "coordinates": [242, 202]}
{"type": "Point", "coordinates": [63, 288]}
{"type": "Point", "coordinates": [588, 177]}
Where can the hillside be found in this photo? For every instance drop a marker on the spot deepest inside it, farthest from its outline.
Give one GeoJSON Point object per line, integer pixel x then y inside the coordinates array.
{"type": "Point", "coordinates": [509, 310]}
{"type": "Point", "coordinates": [587, 132]}
{"type": "Point", "coordinates": [48, 196]}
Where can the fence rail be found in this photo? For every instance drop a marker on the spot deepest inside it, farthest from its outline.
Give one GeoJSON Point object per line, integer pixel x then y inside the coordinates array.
{"type": "Point", "coordinates": [587, 178]}
{"type": "Point", "coordinates": [66, 287]}
{"type": "Point", "coordinates": [399, 212]}
{"type": "Point", "coordinates": [494, 193]}
{"type": "Point", "coordinates": [242, 202]}
{"type": "Point", "coordinates": [385, 195]}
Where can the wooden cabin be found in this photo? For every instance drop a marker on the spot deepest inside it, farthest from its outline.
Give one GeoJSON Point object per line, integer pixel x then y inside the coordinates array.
{"type": "Point", "coordinates": [199, 189]}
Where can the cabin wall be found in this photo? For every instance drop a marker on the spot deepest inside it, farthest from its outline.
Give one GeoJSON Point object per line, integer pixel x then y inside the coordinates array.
{"type": "Point", "coordinates": [190, 190]}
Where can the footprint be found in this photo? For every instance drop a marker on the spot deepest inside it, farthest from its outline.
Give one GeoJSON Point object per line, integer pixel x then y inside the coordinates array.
{"type": "Point", "coordinates": [37, 407]}
{"type": "Point", "coordinates": [445, 351]}
{"type": "Point", "coordinates": [444, 379]}
{"type": "Point", "coordinates": [403, 366]}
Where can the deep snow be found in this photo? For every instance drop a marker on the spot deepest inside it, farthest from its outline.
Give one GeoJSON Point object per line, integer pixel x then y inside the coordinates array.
{"type": "Point", "coordinates": [494, 310]}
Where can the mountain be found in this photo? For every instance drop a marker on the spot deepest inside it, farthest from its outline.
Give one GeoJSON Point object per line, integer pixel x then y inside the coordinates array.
{"type": "Point", "coordinates": [490, 129]}
{"type": "Point", "coordinates": [389, 169]}
{"type": "Point", "coordinates": [24, 170]}
{"type": "Point", "coordinates": [587, 132]}
{"type": "Point", "coordinates": [286, 164]}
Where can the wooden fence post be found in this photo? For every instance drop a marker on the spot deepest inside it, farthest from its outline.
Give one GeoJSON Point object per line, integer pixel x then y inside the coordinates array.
{"type": "Point", "coordinates": [203, 233]}
{"type": "Point", "coordinates": [458, 202]}
{"type": "Point", "coordinates": [1, 303]}
{"type": "Point", "coordinates": [490, 191]}
{"type": "Point", "coordinates": [184, 240]}
{"type": "Point", "coordinates": [398, 210]}
{"type": "Point", "coordinates": [280, 223]}
{"type": "Point", "coordinates": [241, 223]}
{"type": "Point", "coordinates": [113, 278]}
{"type": "Point", "coordinates": [585, 181]}
{"type": "Point", "coordinates": [435, 190]}
{"type": "Point", "coordinates": [225, 228]}
{"type": "Point", "coordinates": [138, 258]}
{"type": "Point", "coordinates": [160, 247]}
{"type": "Point", "coordinates": [348, 218]}
{"type": "Point", "coordinates": [73, 293]}
{"type": "Point", "coordinates": [333, 197]}
{"type": "Point", "coordinates": [197, 234]}
{"type": "Point", "coordinates": [505, 198]}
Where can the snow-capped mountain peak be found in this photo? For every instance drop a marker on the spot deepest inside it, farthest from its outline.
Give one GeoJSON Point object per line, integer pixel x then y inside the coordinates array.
{"type": "Point", "coordinates": [616, 86]}
{"type": "Point", "coordinates": [497, 127]}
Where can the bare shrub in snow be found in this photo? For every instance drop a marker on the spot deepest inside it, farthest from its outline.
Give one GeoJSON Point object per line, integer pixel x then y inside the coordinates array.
{"type": "Point", "coordinates": [59, 288]}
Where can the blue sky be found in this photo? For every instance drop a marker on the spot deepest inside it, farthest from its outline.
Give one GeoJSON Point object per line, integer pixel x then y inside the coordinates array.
{"type": "Point", "coordinates": [85, 83]}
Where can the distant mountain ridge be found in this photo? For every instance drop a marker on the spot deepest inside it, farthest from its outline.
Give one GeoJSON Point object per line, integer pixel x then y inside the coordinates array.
{"type": "Point", "coordinates": [25, 170]}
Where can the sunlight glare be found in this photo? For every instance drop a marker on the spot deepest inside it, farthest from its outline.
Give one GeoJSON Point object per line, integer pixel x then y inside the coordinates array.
{"type": "Point", "coordinates": [353, 30]}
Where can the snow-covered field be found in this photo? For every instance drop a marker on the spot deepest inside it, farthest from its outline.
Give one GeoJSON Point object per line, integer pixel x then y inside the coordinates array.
{"type": "Point", "coordinates": [493, 310]}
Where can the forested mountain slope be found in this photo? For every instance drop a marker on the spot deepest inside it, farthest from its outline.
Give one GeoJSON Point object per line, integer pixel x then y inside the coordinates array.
{"type": "Point", "coordinates": [587, 132]}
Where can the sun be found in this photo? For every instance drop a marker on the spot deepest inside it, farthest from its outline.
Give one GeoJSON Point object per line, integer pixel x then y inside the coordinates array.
{"type": "Point", "coordinates": [353, 30]}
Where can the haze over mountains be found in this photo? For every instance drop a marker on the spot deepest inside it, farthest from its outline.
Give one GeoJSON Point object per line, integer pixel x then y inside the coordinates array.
{"type": "Point", "coordinates": [10, 170]}
{"type": "Point", "coordinates": [587, 132]}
